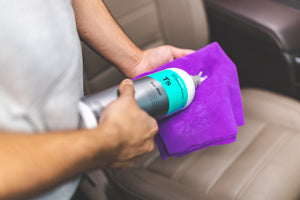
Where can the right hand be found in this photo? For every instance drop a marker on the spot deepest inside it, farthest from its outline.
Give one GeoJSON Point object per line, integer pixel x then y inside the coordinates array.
{"type": "Point", "coordinates": [131, 130]}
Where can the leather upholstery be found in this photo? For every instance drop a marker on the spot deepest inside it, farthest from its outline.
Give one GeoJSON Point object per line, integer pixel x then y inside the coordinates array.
{"type": "Point", "coordinates": [263, 163]}
{"type": "Point", "coordinates": [274, 21]}
{"type": "Point", "coordinates": [262, 38]}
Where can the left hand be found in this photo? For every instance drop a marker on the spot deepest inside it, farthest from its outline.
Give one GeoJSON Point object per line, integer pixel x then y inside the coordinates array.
{"type": "Point", "coordinates": [155, 57]}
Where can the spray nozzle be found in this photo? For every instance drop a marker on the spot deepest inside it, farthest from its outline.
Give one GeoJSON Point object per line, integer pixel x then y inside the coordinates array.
{"type": "Point", "coordinates": [198, 79]}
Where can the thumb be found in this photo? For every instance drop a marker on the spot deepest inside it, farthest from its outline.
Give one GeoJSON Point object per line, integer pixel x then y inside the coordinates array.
{"type": "Point", "coordinates": [126, 88]}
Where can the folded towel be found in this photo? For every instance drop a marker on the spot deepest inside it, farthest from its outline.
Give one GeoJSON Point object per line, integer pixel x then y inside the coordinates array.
{"type": "Point", "coordinates": [216, 111]}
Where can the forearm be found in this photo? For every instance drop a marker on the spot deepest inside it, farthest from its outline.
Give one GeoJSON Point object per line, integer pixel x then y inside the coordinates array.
{"type": "Point", "coordinates": [38, 162]}
{"type": "Point", "coordinates": [97, 27]}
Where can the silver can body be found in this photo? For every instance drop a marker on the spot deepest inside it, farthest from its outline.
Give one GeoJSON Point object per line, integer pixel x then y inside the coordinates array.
{"type": "Point", "coordinates": [149, 94]}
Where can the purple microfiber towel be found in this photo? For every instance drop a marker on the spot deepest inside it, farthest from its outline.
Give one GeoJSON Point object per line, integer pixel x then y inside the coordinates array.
{"type": "Point", "coordinates": [216, 111]}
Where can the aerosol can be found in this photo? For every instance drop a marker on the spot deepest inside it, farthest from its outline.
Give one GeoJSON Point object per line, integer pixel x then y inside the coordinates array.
{"type": "Point", "coordinates": [160, 94]}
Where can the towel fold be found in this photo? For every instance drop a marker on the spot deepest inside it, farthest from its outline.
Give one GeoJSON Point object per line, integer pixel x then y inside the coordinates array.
{"type": "Point", "coordinates": [216, 111]}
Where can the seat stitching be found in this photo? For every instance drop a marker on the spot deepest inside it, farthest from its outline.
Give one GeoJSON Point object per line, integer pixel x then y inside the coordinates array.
{"type": "Point", "coordinates": [276, 147]}
{"type": "Point", "coordinates": [287, 127]}
{"type": "Point", "coordinates": [190, 18]}
{"type": "Point", "coordinates": [230, 164]}
{"type": "Point", "coordinates": [129, 12]}
{"type": "Point", "coordinates": [286, 107]}
{"type": "Point", "coordinates": [274, 102]}
{"type": "Point", "coordinates": [150, 159]}
{"type": "Point", "coordinates": [276, 124]}
{"type": "Point", "coordinates": [179, 172]}
{"type": "Point", "coordinates": [160, 20]}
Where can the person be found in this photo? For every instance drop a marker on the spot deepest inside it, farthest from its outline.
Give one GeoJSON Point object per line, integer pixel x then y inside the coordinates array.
{"type": "Point", "coordinates": [41, 85]}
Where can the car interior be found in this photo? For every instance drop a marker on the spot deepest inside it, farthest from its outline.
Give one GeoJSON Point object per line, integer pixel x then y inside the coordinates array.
{"type": "Point", "coordinates": [262, 37]}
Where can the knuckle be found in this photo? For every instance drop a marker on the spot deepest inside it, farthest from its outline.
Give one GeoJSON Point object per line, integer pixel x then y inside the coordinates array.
{"type": "Point", "coordinates": [148, 147]}
{"type": "Point", "coordinates": [151, 147]}
{"type": "Point", "coordinates": [155, 127]}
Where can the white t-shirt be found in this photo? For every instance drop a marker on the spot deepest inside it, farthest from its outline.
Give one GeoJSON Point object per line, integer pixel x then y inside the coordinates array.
{"type": "Point", "coordinates": [40, 71]}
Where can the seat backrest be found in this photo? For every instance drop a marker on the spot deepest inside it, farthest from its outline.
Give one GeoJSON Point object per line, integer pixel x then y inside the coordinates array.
{"type": "Point", "coordinates": [148, 23]}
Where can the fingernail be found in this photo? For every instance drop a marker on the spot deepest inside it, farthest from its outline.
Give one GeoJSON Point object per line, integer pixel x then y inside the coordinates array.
{"type": "Point", "coordinates": [128, 81]}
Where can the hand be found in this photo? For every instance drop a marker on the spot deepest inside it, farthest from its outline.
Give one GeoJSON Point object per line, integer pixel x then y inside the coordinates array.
{"type": "Point", "coordinates": [130, 129]}
{"type": "Point", "coordinates": [155, 57]}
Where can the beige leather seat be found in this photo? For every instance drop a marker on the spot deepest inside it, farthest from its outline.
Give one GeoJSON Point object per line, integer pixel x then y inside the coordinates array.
{"type": "Point", "coordinates": [263, 164]}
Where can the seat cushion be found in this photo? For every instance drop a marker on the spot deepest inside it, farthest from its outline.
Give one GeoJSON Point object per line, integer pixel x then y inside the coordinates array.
{"type": "Point", "coordinates": [263, 163]}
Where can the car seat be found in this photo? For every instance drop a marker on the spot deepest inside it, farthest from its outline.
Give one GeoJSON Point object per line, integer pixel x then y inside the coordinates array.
{"type": "Point", "coordinates": [263, 163]}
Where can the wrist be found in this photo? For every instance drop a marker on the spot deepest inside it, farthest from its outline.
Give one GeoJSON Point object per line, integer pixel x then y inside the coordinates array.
{"type": "Point", "coordinates": [129, 65]}
{"type": "Point", "coordinates": [139, 66]}
{"type": "Point", "coordinates": [101, 146]}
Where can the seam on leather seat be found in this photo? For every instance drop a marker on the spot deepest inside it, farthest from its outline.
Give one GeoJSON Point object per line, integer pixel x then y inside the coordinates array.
{"type": "Point", "coordinates": [184, 165]}
{"type": "Point", "coordinates": [160, 24]}
{"type": "Point", "coordinates": [195, 21]}
{"type": "Point", "coordinates": [210, 187]}
{"type": "Point", "coordinates": [191, 19]}
{"type": "Point", "coordinates": [275, 103]}
{"type": "Point", "coordinates": [150, 159]}
{"type": "Point", "coordinates": [131, 16]}
{"type": "Point", "coordinates": [128, 12]}
{"type": "Point", "coordinates": [163, 20]}
{"type": "Point", "coordinates": [262, 96]}
{"type": "Point", "coordinates": [262, 164]}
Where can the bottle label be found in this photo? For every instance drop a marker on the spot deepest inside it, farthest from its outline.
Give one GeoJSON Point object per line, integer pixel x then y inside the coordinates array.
{"type": "Point", "coordinates": [175, 88]}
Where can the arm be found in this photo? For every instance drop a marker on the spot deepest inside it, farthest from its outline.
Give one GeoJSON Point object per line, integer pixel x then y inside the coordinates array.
{"type": "Point", "coordinates": [97, 28]}
{"type": "Point", "coordinates": [34, 163]}
{"type": "Point", "coordinates": [31, 164]}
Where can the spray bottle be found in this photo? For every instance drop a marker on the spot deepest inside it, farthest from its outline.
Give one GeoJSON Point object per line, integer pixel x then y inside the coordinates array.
{"type": "Point", "coordinates": [160, 94]}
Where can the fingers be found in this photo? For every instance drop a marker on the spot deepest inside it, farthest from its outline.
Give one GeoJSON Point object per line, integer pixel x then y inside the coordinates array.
{"type": "Point", "coordinates": [126, 88]}
{"type": "Point", "coordinates": [131, 128]}
{"type": "Point", "coordinates": [177, 53]}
